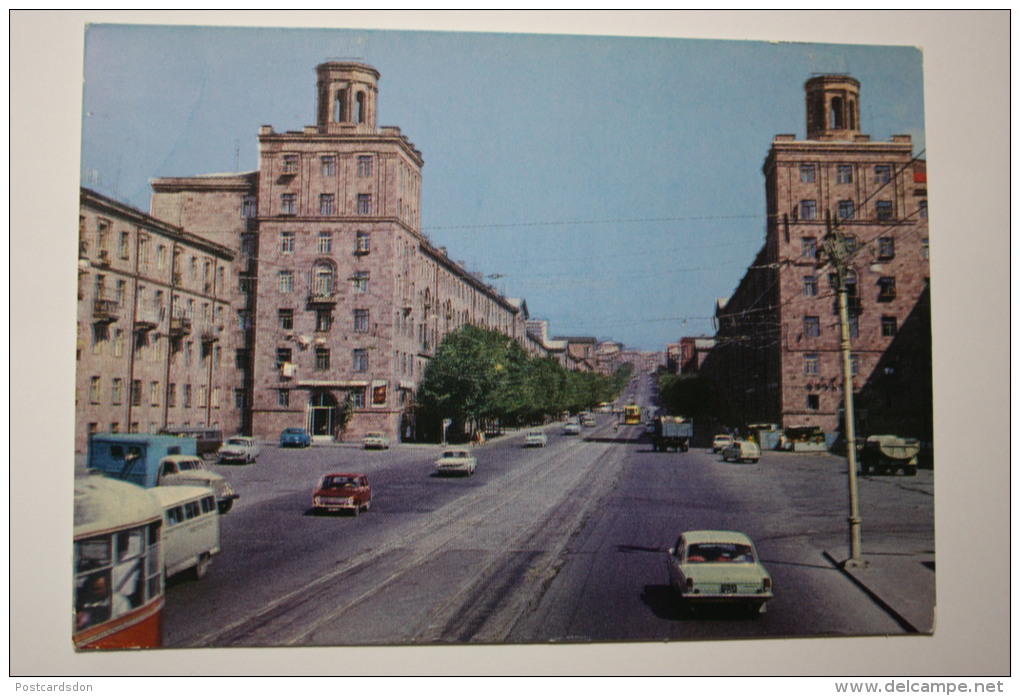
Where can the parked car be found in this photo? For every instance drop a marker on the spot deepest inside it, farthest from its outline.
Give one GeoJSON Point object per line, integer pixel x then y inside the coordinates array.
{"type": "Point", "coordinates": [536, 438]}
{"type": "Point", "coordinates": [587, 420]}
{"type": "Point", "coordinates": [718, 567]}
{"type": "Point", "coordinates": [741, 450]}
{"type": "Point", "coordinates": [456, 460]}
{"type": "Point", "coordinates": [342, 492]}
{"type": "Point", "coordinates": [375, 440]}
{"type": "Point", "coordinates": [721, 442]}
{"type": "Point", "coordinates": [572, 429]}
{"type": "Point", "coordinates": [238, 449]}
{"type": "Point", "coordinates": [207, 440]}
{"type": "Point", "coordinates": [295, 437]}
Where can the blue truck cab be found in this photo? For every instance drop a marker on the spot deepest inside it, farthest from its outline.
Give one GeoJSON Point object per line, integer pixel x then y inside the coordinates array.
{"type": "Point", "coordinates": [156, 460]}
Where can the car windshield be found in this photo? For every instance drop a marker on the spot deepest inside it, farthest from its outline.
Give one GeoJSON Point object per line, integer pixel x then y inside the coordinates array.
{"type": "Point", "coordinates": [339, 481]}
{"type": "Point", "coordinates": [189, 465]}
{"type": "Point", "coordinates": [374, 435]}
{"type": "Point", "coordinates": [454, 455]}
{"type": "Point", "coordinates": [237, 441]}
{"type": "Point", "coordinates": [293, 431]}
{"type": "Point", "coordinates": [719, 553]}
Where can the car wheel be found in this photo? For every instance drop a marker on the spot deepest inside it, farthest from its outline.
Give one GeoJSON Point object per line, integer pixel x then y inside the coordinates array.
{"type": "Point", "coordinates": [202, 567]}
{"type": "Point", "coordinates": [225, 505]}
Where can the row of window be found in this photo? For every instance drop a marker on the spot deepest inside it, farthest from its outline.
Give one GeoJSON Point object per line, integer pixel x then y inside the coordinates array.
{"type": "Point", "coordinates": [886, 286]}
{"type": "Point", "coordinates": [327, 164]}
{"type": "Point", "coordinates": [323, 281]}
{"type": "Point", "coordinates": [323, 320]}
{"type": "Point", "coordinates": [808, 210]}
{"type": "Point", "coordinates": [137, 387]}
{"type": "Point", "coordinates": [885, 247]}
{"type": "Point", "coordinates": [357, 395]}
{"type": "Point", "coordinates": [362, 243]}
{"type": "Point", "coordinates": [812, 364]}
{"type": "Point", "coordinates": [154, 427]}
{"type": "Point", "coordinates": [359, 358]}
{"type": "Point", "coordinates": [889, 325]}
{"type": "Point", "coordinates": [845, 173]}
{"type": "Point", "coordinates": [327, 204]}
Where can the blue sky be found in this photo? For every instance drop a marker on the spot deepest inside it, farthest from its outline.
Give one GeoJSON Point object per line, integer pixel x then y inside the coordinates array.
{"type": "Point", "coordinates": [615, 183]}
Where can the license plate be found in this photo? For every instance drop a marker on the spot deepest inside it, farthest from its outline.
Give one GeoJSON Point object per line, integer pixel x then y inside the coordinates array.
{"type": "Point", "coordinates": [728, 588]}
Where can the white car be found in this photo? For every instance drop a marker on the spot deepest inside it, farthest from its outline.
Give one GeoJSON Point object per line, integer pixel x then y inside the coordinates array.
{"type": "Point", "coordinates": [536, 438]}
{"type": "Point", "coordinates": [721, 442]}
{"type": "Point", "coordinates": [375, 440]}
{"type": "Point", "coordinates": [742, 450]}
{"type": "Point", "coordinates": [238, 449]}
{"type": "Point", "coordinates": [456, 460]}
{"type": "Point", "coordinates": [718, 567]}
{"type": "Point", "coordinates": [572, 429]}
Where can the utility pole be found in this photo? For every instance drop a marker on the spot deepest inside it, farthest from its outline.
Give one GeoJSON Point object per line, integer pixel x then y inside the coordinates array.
{"type": "Point", "coordinates": [838, 251]}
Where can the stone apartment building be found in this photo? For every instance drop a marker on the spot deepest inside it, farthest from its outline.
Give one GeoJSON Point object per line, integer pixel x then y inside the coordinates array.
{"type": "Point", "coordinates": [777, 354]}
{"type": "Point", "coordinates": [153, 307]}
{"type": "Point", "coordinates": [337, 294]}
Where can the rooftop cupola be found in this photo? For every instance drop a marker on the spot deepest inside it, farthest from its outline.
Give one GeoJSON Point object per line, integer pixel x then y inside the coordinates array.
{"type": "Point", "coordinates": [833, 107]}
{"type": "Point", "coordinates": [346, 97]}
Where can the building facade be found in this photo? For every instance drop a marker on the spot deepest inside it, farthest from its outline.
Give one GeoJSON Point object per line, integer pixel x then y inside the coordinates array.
{"type": "Point", "coordinates": [338, 296]}
{"type": "Point", "coordinates": [777, 356]}
{"type": "Point", "coordinates": [152, 350]}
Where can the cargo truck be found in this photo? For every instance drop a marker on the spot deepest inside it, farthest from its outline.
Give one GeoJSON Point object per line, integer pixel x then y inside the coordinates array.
{"type": "Point", "coordinates": [672, 432]}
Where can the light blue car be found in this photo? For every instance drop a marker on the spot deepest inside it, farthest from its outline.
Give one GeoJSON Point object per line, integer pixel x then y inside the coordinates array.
{"type": "Point", "coordinates": [295, 437]}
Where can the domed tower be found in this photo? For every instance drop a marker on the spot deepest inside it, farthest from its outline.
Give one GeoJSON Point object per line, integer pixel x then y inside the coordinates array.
{"type": "Point", "coordinates": [347, 95]}
{"type": "Point", "coordinates": [833, 107]}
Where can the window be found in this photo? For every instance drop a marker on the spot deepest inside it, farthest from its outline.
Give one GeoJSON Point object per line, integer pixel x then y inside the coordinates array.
{"type": "Point", "coordinates": [286, 281]}
{"type": "Point", "coordinates": [883, 210]}
{"type": "Point", "coordinates": [809, 248]}
{"type": "Point", "coordinates": [886, 247]}
{"type": "Point", "coordinates": [888, 326]}
{"type": "Point", "coordinates": [323, 320]}
{"type": "Point", "coordinates": [807, 173]}
{"type": "Point", "coordinates": [361, 321]}
{"type": "Point", "coordinates": [886, 288]}
{"type": "Point", "coordinates": [326, 204]}
{"type": "Point", "coordinates": [325, 242]}
{"type": "Point", "coordinates": [807, 210]}
{"type": "Point", "coordinates": [286, 242]}
{"type": "Point", "coordinates": [360, 281]}
{"type": "Point", "coordinates": [328, 165]}
{"type": "Point", "coordinates": [118, 343]}
{"type": "Point", "coordinates": [882, 173]}
{"type": "Point", "coordinates": [171, 395]}
{"type": "Point", "coordinates": [358, 398]}
{"type": "Point", "coordinates": [283, 397]}
{"type": "Point", "coordinates": [243, 320]}
{"type": "Point", "coordinates": [364, 204]}
{"type": "Point", "coordinates": [287, 203]}
{"type": "Point", "coordinates": [361, 245]}
{"type": "Point", "coordinates": [853, 363]}
{"type": "Point", "coordinates": [812, 402]}
{"type": "Point", "coordinates": [811, 362]}
{"type": "Point", "coordinates": [125, 244]}
{"type": "Point", "coordinates": [285, 319]}
{"type": "Point", "coordinates": [154, 393]}
{"type": "Point", "coordinates": [239, 398]}
{"type": "Point", "coordinates": [248, 244]}
{"type": "Point", "coordinates": [249, 207]}
{"type": "Point", "coordinates": [187, 396]}
{"type": "Point", "coordinates": [364, 165]}
{"type": "Point", "coordinates": [95, 385]}
{"type": "Point", "coordinates": [136, 392]}
{"type": "Point", "coordinates": [360, 360]}
{"type": "Point", "coordinates": [115, 390]}
{"type": "Point", "coordinates": [203, 393]}
{"type": "Point", "coordinates": [323, 279]}
{"type": "Point", "coordinates": [283, 355]}
{"type": "Point", "coordinates": [290, 164]}
{"type": "Point", "coordinates": [853, 325]}
{"type": "Point", "coordinates": [240, 358]}
{"type": "Point", "coordinates": [161, 257]}
{"type": "Point", "coordinates": [922, 210]}
{"type": "Point", "coordinates": [845, 210]}
{"type": "Point", "coordinates": [844, 174]}
{"type": "Point", "coordinates": [812, 329]}
{"type": "Point", "coordinates": [924, 247]}
{"type": "Point", "coordinates": [810, 286]}
{"type": "Point", "coordinates": [215, 403]}
{"type": "Point", "coordinates": [322, 358]}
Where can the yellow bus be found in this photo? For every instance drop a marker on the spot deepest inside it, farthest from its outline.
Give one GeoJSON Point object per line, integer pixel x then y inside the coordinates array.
{"type": "Point", "coordinates": [632, 414]}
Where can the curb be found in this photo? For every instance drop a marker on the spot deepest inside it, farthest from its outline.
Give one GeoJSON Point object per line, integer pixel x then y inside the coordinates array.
{"type": "Point", "coordinates": [889, 609]}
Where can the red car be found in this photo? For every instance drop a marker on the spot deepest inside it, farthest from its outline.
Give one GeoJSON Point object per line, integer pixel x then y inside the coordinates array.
{"type": "Point", "coordinates": [342, 492]}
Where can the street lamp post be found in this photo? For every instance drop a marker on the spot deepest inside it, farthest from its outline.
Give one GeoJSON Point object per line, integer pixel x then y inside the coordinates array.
{"type": "Point", "coordinates": [838, 251]}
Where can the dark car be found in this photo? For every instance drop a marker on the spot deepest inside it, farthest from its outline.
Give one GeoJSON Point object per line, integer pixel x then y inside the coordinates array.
{"type": "Point", "coordinates": [295, 437]}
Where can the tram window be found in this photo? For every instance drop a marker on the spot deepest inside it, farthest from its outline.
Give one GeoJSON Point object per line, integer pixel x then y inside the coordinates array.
{"type": "Point", "coordinates": [116, 452]}
{"type": "Point", "coordinates": [191, 510]}
{"type": "Point", "coordinates": [92, 600]}
{"type": "Point", "coordinates": [174, 515]}
{"type": "Point", "coordinates": [130, 544]}
{"type": "Point", "coordinates": [208, 504]}
{"type": "Point", "coordinates": [93, 553]}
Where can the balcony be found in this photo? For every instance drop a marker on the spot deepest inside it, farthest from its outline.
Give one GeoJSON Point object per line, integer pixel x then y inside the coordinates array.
{"type": "Point", "coordinates": [322, 298]}
{"type": "Point", "coordinates": [148, 316]}
{"type": "Point", "coordinates": [105, 310]}
{"type": "Point", "coordinates": [103, 259]}
{"type": "Point", "coordinates": [180, 326]}
{"type": "Point", "coordinates": [210, 333]}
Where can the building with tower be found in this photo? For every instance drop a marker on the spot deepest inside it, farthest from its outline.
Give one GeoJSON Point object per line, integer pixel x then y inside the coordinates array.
{"type": "Point", "coordinates": [338, 295]}
{"type": "Point", "coordinates": [776, 357]}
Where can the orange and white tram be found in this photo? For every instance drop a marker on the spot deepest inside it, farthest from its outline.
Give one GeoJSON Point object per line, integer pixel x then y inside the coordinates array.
{"type": "Point", "coordinates": [118, 565]}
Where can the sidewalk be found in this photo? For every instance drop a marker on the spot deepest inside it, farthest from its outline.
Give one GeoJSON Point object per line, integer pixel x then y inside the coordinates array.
{"type": "Point", "coordinates": [900, 581]}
